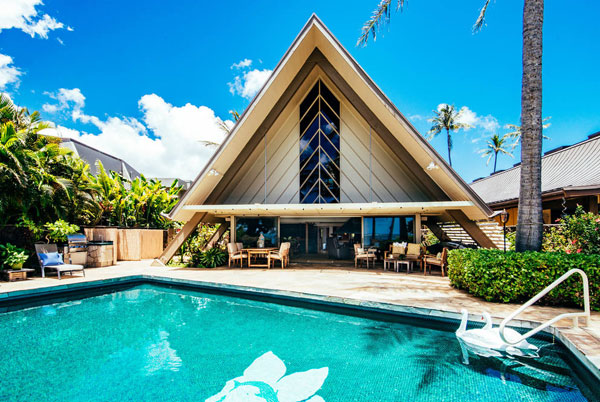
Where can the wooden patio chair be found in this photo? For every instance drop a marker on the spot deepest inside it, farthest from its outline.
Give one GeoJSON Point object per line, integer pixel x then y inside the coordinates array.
{"type": "Point", "coordinates": [414, 254]}
{"type": "Point", "coordinates": [282, 255]}
{"type": "Point", "coordinates": [393, 255]}
{"type": "Point", "coordinates": [235, 254]}
{"type": "Point", "coordinates": [360, 255]}
{"type": "Point", "coordinates": [59, 268]}
{"type": "Point", "coordinates": [440, 260]}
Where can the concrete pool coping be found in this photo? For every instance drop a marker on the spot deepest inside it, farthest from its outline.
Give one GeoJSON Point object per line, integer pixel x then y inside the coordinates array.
{"type": "Point", "coordinates": [568, 337]}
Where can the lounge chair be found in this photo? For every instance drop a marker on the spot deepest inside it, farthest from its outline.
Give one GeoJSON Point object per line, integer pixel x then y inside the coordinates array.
{"type": "Point", "coordinates": [59, 268]}
{"type": "Point", "coordinates": [439, 260]}
{"type": "Point", "coordinates": [235, 254]}
{"type": "Point", "coordinates": [282, 255]}
{"type": "Point", "coordinates": [360, 255]}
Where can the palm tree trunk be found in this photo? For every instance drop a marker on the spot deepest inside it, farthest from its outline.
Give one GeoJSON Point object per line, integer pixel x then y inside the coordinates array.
{"type": "Point", "coordinates": [495, 160]}
{"type": "Point", "coordinates": [530, 222]}
{"type": "Point", "coordinates": [449, 147]}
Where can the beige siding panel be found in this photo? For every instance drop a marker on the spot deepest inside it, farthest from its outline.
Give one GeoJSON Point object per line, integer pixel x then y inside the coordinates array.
{"type": "Point", "coordinates": [389, 179]}
{"type": "Point", "coordinates": [282, 167]}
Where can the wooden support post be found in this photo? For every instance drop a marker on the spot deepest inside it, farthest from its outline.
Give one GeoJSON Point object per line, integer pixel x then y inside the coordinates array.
{"type": "Point", "coordinates": [471, 228]}
{"type": "Point", "coordinates": [437, 230]}
{"type": "Point", "coordinates": [418, 224]}
{"type": "Point", "coordinates": [182, 236]}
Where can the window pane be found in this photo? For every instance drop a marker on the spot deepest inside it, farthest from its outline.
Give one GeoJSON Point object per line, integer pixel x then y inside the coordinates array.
{"type": "Point", "coordinates": [248, 230]}
{"type": "Point", "coordinates": [319, 185]}
{"type": "Point", "coordinates": [381, 231]}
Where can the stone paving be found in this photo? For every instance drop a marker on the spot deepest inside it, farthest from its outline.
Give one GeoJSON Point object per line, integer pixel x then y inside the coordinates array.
{"type": "Point", "coordinates": [431, 295]}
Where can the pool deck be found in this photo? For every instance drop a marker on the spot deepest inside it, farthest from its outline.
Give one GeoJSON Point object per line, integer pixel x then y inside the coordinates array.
{"type": "Point", "coordinates": [406, 293]}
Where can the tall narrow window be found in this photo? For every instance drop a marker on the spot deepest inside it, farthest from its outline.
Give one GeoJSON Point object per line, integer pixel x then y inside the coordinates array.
{"type": "Point", "coordinates": [320, 147]}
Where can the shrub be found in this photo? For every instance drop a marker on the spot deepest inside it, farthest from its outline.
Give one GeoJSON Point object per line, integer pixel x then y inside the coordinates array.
{"type": "Point", "coordinates": [577, 233]}
{"type": "Point", "coordinates": [516, 277]}
{"type": "Point", "coordinates": [59, 230]}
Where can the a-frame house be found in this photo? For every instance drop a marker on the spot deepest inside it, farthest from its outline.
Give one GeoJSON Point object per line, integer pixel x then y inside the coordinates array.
{"type": "Point", "coordinates": [321, 154]}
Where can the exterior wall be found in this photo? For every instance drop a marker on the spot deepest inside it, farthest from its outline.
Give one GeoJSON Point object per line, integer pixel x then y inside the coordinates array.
{"type": "Point", "coordinates": [390, 183]}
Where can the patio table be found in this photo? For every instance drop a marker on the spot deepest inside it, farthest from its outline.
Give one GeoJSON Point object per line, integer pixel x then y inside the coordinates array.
{"type": "Point", "coordinates": [258, 252]}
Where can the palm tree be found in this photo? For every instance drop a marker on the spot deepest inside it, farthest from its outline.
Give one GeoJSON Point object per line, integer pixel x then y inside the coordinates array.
{"type": "Point", "coordinates": [494, 146]}
{"type": "Point", "coordinates": [515, 134]}
{"type": "Point", "coordinates": [446, 118]}
{"type": "Point", "coordinates": [530, 222]}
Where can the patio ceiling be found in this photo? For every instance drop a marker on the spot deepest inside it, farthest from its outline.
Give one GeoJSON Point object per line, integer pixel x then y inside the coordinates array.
{"type": "Point", "coordinates": [341, 209]}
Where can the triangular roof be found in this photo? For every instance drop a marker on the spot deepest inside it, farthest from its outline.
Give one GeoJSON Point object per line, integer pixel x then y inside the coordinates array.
{"type": "Point", "coordinates": [315, 38]}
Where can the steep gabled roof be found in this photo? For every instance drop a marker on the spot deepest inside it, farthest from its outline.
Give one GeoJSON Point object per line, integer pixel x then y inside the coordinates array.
{"type": "Point", "coordinates": [315, 36]}
{"type": "Point", "coordinates": [91, 155]}
{"type": "Point", "coordinates": [573, 167]}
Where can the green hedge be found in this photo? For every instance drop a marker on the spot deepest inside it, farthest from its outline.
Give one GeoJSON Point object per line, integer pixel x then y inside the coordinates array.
{"type": "Point", "coordinates": [516, 277]}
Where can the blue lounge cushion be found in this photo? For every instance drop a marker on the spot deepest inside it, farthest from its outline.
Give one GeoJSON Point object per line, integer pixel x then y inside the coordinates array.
{"type": "Point", "coordinates": [51, 259]}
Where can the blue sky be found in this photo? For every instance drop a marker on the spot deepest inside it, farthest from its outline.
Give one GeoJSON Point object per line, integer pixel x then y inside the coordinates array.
{"type": "Point", "coordinates": [155, 76]}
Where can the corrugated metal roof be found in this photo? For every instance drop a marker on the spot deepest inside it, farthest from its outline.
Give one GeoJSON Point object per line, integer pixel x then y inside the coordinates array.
{"type": "Point", "coordinates": [574, 166]}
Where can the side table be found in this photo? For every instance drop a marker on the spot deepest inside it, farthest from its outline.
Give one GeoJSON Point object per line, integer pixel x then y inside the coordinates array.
{"type": "Point", "coordinates": [16, 274]}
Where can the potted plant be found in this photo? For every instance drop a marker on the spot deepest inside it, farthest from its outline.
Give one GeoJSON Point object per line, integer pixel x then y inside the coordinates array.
{"type": "Point", "coordinates": [13, 257]}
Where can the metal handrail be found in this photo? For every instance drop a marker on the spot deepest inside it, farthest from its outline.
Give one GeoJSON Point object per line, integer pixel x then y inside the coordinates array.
{"type": "Point", "coordinates": [585, 313]}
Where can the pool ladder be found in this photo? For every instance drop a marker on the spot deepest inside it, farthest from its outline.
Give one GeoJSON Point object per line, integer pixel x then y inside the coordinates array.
{"type": "Point", "coordinates": [585, 313]}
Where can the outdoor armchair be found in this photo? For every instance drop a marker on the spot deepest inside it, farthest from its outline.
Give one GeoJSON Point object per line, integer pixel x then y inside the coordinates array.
{"type": "Point", "coordinates": [439, 260]}
{"type": "Point", "coordinates": [414, 253]}
{"type": "Point", "coordinates": [282, 255]}
{"type": "Point", "coordinates": [360, 255]}
{"type": "Point", "coordinates": [235, 254]}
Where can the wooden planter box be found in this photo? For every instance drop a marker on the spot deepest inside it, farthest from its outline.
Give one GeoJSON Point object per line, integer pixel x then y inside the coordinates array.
{"type": "Point", "coordinates": [130, 244]}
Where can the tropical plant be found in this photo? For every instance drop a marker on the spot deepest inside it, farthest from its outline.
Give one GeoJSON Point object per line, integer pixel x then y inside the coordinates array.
{"type": "Point", "coordinates": [12, 256]}
{"type": "Point", "coordinates": [212, 258]}
{"type": "Point", "coordinates": [446, 119]}
{"type": "Point", "coordinates": [59, 230]}
{"type": "Point", "coordinates": [530, 222]}
{"type": "Point", "coordinates": [494, 146]}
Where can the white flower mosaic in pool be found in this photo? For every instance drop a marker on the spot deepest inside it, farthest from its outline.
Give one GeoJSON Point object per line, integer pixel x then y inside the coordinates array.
{"type": "Point", "coordinates": [265, 381]}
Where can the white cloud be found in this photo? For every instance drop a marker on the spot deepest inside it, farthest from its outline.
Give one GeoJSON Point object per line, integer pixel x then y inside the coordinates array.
{"type": "Point", "coordinates": [249, 83]}
{"type": "Point", "coordinates": [23, 15]}
{"type": "Point", "coordinates": [167, 142]}
{"type": "Point", "coordinates": [67, 99]}
{"type": "Point", "coordinates": [242, 64]}
{"type": "Point", "coordinates": [9, 74]}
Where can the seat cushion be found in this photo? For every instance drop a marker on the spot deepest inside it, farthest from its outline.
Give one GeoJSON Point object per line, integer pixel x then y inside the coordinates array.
{"type": "Point", "coordinates": [51, 259]}
{"type": "Point", "coordinates": [65, 267]}
{"type": "Point", "coordinates": [413, 249]}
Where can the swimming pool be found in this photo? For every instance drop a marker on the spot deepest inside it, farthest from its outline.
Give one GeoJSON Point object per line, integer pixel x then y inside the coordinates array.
{"type": "Point", "coordinates": [157, 343]}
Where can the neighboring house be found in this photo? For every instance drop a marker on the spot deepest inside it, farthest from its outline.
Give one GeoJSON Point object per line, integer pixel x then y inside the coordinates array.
{"type": "Point", "coordinates": [322, 157]}
{"type": "Point", "coordinates": [570, 177]}
{"type": "Point", "coordinates": [91, 155]}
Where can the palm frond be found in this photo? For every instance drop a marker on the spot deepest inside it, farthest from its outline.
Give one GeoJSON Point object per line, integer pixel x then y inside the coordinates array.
{"type": "Point", "coordinates": [480, 23]}
{"type": "Point", "coordinates": [379, 18]}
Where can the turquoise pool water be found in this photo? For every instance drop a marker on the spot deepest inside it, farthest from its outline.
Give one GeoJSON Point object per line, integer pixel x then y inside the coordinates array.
{"type": "Point", "coordinates": [155, 343]}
